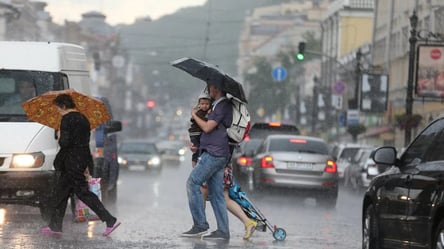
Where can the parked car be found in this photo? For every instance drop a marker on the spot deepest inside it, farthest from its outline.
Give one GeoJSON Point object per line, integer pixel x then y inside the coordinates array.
{"type": "Point", "coordinates": [297, 162]}
{"type": "Point", "coordinates": [262, 130]}
{"type": "Point", "coordinates": [172, 151]}
{"type": "Point", "coordinates": [139, 154]}
{"type": "Point", "coordinates": [403, 207]}
{"type": "Point", "coordinates": [242, 159]}
{"type": "Point", "coordinates": [343, 153]}
{"type": "Point", "coordinates": [362, 169]}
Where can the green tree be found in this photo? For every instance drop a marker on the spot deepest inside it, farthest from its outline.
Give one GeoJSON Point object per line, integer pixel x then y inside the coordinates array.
{"type": "Point", "coordinates": [403, 121]}
{"type": "Point", "coordinates": [274, 96]}
{"type": "Point", "coordinates": [355, 130]}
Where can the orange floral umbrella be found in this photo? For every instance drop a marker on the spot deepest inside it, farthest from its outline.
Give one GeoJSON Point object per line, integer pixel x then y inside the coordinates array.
{"type": "Point", "coordinates": [42, 110]}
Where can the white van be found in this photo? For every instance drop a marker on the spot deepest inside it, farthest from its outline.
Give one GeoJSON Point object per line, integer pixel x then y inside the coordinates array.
{"type": "Point", "coordinates": [50, 66]}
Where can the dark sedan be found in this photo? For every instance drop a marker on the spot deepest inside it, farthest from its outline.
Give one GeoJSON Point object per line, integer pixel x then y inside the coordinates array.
{"type": "Point", "coordinates": [242, 158]}
{"type": "Point", "coordinates": [404, 206]}
{"type": "Point", "coordinates": [135, 154]}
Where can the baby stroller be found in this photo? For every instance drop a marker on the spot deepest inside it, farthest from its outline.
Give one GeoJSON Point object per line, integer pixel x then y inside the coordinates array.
{"type": "Point", "coordinates": [254, 213]}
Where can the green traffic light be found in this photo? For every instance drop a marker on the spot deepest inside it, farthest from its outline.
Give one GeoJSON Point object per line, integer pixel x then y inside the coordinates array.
{"type": "Point", "coordinates": [300, 56]}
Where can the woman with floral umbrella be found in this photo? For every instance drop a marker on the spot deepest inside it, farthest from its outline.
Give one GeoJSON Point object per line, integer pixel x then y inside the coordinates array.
{"type": "Point", "coordinates": [72, 161]}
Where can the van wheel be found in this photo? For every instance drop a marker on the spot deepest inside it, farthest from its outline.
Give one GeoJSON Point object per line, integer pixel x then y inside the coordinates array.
{"type": "Point", "coordinates": [438, 237]}
{"type": "Point", "coordinates": [370, 232]}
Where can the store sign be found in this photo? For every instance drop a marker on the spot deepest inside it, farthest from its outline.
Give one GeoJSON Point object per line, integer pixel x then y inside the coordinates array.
{"type": "Point", "coordinates": [429, 80]}
{"type": "Point", "coordinates": [352, 117]}
{"type": "Point", "coordinates": [374, 93]}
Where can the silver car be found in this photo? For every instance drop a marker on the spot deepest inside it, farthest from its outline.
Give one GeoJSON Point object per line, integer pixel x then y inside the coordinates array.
{"type": "Point", "coordinates": [297, 162]}
{"type": "Point", "coordinates": [360, 170]}
{"type": "Point", "coordinates": [344, 153]}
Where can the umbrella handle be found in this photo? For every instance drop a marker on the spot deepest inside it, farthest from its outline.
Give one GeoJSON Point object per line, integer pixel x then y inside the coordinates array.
{"type": "Point", "coordinates": [58, 92]}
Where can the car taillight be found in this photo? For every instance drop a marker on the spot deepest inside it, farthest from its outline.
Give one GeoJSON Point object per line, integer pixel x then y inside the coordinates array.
{"type": "Point", "coordinates": [244, 161]}
{"type": "Point", "coordinates": [267, 162]}
{"type": "Point", "coordinates": [275, 124]}
{"type": "Point", "coordinates": [330, 167]}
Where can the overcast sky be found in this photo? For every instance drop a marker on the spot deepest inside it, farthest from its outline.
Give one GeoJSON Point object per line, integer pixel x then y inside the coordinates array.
{"type": "Point", "coordinates": [116, 11]}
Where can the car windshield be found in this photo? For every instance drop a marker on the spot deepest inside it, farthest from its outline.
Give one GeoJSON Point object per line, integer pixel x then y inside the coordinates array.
{"type": "Point", "coordinates": [365, 156]}
{"type": "Point", "coordinates": [262, 130]}
{"type": "Point", "coordinates": [170, 144]}
{"type": "Point", "coordinates": [18, 86]}
{"type": "Point", "coordinates": [251, 145]}
{"type": "Point", "coordinates": [349, 153]}
{"type": "Point", "coordinates": [298, 145]}
{"type": "Point", "coordinates": [138, 148]}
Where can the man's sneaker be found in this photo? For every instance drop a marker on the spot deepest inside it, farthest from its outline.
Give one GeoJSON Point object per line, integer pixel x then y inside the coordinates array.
{"type": "Point", "coordinates": [194, 232]}
{"type": "Point", "coordinates": [216, 235]}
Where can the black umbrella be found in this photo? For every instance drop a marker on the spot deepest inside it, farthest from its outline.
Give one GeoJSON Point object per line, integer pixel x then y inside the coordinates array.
{"type": "Point", "coordinates": [211, 74]}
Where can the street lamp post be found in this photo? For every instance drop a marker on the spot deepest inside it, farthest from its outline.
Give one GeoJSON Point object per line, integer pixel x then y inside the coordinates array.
{"type": "Point", "coordinates": [314, 113]}
{"type": "Point", "coordinates": [409, 97]}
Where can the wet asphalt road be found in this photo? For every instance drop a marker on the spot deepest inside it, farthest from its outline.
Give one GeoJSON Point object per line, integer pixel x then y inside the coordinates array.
{"type": "Point", "coordinates": [154, 212]}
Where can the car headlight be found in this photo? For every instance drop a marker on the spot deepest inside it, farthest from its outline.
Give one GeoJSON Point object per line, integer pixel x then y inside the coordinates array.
{"type": "Point", "coordinates": [121, 160]}
{"type": "Point", "coordinates": [182, 152]}
{"type": "Point", "coordinates": [154, 161]}
{"type": "Point", "coordinates": [31, 160]}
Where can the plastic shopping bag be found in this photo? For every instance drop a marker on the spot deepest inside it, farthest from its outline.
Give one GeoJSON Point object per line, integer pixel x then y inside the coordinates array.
{"type": "Point", "coordinates": [82, 212]}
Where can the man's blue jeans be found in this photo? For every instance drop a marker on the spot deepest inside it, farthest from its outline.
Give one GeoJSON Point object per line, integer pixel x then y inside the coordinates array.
{"type": "Point", "coordinates": [208, 169]}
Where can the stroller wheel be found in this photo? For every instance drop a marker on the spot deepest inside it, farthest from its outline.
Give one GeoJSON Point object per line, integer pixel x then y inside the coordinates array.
{"type": "Point", "coordinates": [279, 234]}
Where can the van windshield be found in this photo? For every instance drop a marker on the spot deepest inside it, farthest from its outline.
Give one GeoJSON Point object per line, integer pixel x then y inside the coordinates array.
{"type": "Point", "coordinates": [17, 87]}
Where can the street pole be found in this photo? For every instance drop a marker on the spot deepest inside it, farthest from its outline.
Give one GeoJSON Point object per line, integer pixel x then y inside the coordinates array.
{"type": "Point", "coordinates": [314, 113]}
{"type": "Point", "coordinates": [358, 79]}
{"type": "Point", "coordinates": [409, 97]}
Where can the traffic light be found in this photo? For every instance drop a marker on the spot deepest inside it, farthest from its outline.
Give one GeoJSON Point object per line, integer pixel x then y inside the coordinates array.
{"type": "Point", "coordinates": [151, 104]}
{"type": "Point", "coordinates": [300, 56]}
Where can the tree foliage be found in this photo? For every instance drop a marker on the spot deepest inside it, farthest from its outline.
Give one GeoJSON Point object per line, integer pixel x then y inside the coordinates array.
{"type": "Point", "coordinates": [404, 121]}
{"type": "Point", "coordinates": [355, 130]}
{"type": "Point", "coordinates": [274, 96]}
{"type": "Point", "coordinates": [265, 93]}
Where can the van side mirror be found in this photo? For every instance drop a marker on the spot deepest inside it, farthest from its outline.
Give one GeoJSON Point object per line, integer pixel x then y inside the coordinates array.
{"type": "Point", "coordinates": [113, 126]}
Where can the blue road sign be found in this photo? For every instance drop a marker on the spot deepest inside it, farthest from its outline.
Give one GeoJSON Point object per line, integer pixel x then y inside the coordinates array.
{"type": "Point", "coordinates": [341, 120]}
{"type": "Point", "coordinates": [279, 73]}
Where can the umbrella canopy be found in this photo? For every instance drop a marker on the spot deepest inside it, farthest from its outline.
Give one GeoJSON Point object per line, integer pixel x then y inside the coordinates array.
{"type": "Point", "coordinates": [211, 74]}
{"type": "Point", "coordinates": [42, 110]}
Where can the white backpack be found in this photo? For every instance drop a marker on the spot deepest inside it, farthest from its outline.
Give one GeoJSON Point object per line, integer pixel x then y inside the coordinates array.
{"type": "Point", "coordinates": [241, 121]}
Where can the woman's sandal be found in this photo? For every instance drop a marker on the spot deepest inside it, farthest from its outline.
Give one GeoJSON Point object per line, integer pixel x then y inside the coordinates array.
{"type": "Point", "coordinates": [250, 226]}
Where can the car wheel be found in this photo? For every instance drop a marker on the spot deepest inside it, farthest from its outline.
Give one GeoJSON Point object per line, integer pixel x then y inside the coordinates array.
{"type": "Point", "coordinates": [438, 238]}
{"type": "Point", "coordinates": [346, 179]}
{"type": "Point", "coordinates": [370, 233]}
{"type": "Point", "coordinates": [328, 199]}
{"type": "Point", "coordinates": [354, 182]}
{"type": "Point", "coordinates": [255, 184]}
